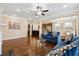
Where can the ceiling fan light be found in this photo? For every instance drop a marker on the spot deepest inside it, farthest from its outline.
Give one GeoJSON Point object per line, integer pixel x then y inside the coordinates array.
{"type": "Point", "coordinates": [39, 13]}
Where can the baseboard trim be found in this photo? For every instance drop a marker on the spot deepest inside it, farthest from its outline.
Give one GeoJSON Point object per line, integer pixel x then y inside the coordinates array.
{"type": "Point", "coordinates": [14, 38]}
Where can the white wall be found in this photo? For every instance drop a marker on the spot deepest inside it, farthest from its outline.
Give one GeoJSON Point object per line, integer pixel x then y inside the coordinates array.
{"type": "Point", "coordinates": [0, 43]}
{"type": "Point", "coordinates": [10, 33]}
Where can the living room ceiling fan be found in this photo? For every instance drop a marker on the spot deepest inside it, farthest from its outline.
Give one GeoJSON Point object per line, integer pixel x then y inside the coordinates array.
{"type": "Point", "coordinates": [39, 11]}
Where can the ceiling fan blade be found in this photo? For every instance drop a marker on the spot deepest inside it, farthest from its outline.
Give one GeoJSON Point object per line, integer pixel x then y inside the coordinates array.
{"type": "Point", "coordinates": [43, 14]}
{"type": "Point", "coordinates": [45, 11]}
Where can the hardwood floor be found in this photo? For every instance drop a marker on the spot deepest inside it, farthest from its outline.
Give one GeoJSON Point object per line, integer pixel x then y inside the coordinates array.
{"type": "Point", "coordinates": [30, 46]}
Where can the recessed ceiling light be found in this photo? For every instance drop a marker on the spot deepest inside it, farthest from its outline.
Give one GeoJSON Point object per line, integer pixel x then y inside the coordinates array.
{"type": "Point", "coordinates": [18, 10]}
{"type": "Point", "coordinates": [65, 6]}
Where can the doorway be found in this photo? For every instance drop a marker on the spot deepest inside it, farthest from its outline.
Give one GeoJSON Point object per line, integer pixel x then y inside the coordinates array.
{"type": "Point", "coordinates": [33, 30]}
{"type": "Point", "coordinates": [28, 30]}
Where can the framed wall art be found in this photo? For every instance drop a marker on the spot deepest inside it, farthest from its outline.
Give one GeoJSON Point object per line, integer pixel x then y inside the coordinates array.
{"type": "Point", "coordinates": [14, 25]}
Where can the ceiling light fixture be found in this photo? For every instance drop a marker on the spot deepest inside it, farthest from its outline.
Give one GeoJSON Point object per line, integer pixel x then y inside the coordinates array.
{"type": "Point", "coordinates": [39, 10]}
{"type": "Point", "coordinates": [18, 10]}
{"type": "Point", "coordinates": [65, 6]}
{"type": "Point", "coordinates": [39, 13]}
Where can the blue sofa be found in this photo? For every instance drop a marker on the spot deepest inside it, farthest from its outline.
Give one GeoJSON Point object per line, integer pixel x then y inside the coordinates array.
{"type": "Point", "coordinates": [60, 43]}
{"type": "Point", "coordinates": [75, 41]}
{"type": "Point", "coordinates": [70, 52]}
{"type": "Point", "coordinates": [50, 37]}
{"type": "Point", "coordinates": [47, 36]}
{"type": "Point", "coordinates": [63, 43]}
{"type": "Point", "coordinates": [74, 51]}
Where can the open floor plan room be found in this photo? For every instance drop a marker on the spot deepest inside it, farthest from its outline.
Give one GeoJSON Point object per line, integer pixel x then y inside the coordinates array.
{"type": "Point", "coordinates": [39, 29]}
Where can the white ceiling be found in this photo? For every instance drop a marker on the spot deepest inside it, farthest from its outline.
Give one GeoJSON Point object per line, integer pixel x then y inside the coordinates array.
{"type": "Point", "coordinates": [25, 9]}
